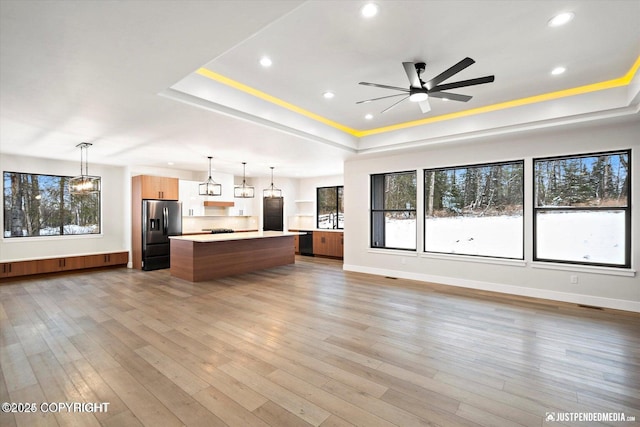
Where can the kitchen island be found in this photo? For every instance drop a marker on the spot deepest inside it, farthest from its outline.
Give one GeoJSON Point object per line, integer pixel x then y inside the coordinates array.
{"type": "Point", "coordinates": [210, 256]}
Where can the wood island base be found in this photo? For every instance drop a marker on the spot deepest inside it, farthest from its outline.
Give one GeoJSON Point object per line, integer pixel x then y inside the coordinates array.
{"type": "Point", "coordinates": [206, 257]}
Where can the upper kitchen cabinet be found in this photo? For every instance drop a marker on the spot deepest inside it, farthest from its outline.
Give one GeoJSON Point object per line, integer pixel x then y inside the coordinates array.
{"type": "Point", "coordinates": [157, 187]}
{"type": "Point", "coordinates": [192, 201]}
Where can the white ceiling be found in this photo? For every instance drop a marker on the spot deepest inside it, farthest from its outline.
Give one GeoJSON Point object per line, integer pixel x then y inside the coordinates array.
{"type": "Point", "coordinates": [123, 75]}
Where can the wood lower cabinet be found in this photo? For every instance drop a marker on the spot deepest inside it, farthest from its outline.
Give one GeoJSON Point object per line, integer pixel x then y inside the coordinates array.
{"type": "Point", "coordinates": [296, 244]}
{"type": "Point", "coordinates": [52, 265]}
{"type": "Point", "coordinates": [328, 243]}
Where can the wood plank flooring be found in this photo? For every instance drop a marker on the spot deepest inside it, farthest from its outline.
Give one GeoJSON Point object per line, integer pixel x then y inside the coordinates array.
{"type": "Point", "coordinates": [306, 345]}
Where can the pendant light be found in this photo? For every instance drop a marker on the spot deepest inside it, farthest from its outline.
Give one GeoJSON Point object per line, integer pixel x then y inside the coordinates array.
{"type": "Point", "coordinates": [84, 183]}
{"type": "Point", "coordinates": [210, 187]}
{"type": "Point", "coordinates": [272, 191]}
{"type": "Point", "coordinates": [244, 191]}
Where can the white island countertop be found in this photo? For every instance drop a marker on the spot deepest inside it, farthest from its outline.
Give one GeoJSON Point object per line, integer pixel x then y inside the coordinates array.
{"type": "Point", "coordinates": [224, 237]}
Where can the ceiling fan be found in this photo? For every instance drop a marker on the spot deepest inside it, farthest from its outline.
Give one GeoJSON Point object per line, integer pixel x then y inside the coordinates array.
{"type": "Point", "coordinates": [419, 91]}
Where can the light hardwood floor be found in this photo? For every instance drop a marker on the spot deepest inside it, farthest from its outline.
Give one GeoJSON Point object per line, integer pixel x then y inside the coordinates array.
{"type": "Point", "coordinates": [306, 344]}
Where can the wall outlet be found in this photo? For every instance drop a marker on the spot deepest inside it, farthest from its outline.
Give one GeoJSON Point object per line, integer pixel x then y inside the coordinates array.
{"type": "Point", "coordinates": [573, 279]}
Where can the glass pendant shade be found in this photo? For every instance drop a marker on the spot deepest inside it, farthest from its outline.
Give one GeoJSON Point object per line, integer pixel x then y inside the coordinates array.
{"type": "Point", "coordinates": [272, 191]}
{"type": "Point", "coordinates": [210, 187]}
{"type": "Point", "coordinates": [84, 183]}
{"type": "Point", "coordinates": [244, 191]}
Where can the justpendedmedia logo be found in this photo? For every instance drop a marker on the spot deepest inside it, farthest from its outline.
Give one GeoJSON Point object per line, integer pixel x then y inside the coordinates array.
{"type": "Point", "coordinates": [551, 417]}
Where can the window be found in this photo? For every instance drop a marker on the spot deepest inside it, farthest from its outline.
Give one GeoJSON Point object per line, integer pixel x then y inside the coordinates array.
{"type": "Point", "coordinates": [475, 210]}
{"type": "Point", "coordinates": [393, 210]}
{"type": "Point", "coordinates": [41, 205]}
{"type": "Point", "coordinates": [330, 204]}
{"type": "Point", "coordinates": [581, 211]}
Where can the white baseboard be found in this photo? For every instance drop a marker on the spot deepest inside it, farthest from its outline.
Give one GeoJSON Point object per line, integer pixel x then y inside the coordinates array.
{"type": "Point", "coordinates": [505, 289]}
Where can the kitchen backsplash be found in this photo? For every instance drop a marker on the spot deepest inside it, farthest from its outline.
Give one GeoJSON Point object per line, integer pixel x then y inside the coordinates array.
{"type": "Point", "coordinates": [194, 224]}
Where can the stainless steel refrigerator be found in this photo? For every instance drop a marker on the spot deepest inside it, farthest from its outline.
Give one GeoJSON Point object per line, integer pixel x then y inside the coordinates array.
{"type": "Point", "coordinates": [160, 219]}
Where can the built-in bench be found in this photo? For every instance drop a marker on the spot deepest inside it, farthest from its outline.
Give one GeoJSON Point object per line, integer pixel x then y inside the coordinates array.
{"type": "Point", "coordinates": [19, 268]}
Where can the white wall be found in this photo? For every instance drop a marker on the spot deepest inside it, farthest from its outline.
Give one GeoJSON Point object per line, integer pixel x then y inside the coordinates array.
{"type": "Point", "coordinates": [596, 286]}
{"type": "Point", "coordinates": [116, 230]}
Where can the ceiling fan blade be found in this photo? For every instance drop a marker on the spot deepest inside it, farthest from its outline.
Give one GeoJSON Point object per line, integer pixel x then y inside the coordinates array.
{"type": "Point", "coordinates": [389, 108]}
{"type": "Point", "coordinates": [449, 72]}
{"type": "Point", "coordinates": [385, 86]}
{"type": "Point", "coordinates": [382, 97]}
{"type": "Point", "coordinates": [450, 96]}
{"type": "Point", "coordinates": [424, 106]}
{"type": "Point", "coordinates": [463, 83]}
{"type": "Point", "coordinates": [412, 74]}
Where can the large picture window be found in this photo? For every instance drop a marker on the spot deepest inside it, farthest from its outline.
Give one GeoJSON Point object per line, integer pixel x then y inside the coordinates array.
{"type": "Point", "coordinates": [581, 211]}
{"type": "Point", "coordinates": [41, 205]}
{"type": "Point", "coordinates": [330, 214]}
{"type": "Point", "coordinates": [475, 210]}
{"type": "Point", "coordinates": [393, 210]}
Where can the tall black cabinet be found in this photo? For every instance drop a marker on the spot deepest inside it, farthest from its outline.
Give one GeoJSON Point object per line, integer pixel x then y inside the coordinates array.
{"type": "Point", "coordinates": [273, 214]}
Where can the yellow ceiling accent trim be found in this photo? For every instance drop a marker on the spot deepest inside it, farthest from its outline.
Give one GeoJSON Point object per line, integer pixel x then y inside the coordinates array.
{"type": "Point", "coordinates": [609, 84]}
{"type": "Point", "coordinates": [580, 90]}
{"type": "Point", "coordinates": [272, 99]}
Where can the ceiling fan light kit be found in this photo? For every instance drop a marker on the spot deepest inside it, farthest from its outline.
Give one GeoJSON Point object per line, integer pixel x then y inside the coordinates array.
{"type": "Point", "coordinates": [420, 91]}
{"type": "Point", "coordinates": [418, 96]}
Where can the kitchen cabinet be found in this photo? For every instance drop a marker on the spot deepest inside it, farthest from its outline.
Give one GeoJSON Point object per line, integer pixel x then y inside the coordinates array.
{"type": "Point", "coordinates": [296, 244]}
{"type": "Point", "coordinates": [157, 187]}
{"type": "Point", "coordinates": [191, 200]}
{"type": "Point", "coordinates": [328, 243]}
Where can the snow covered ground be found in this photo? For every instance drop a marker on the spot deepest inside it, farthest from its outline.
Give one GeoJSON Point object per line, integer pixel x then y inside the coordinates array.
{"type": "Point", "coordinates": [68, 229]}
{"type": "Point", "coordinates": [497, 236]}
{"type": "Point", "coordinates": [400, 233]}
{"type": "Point", "coordinates": [593, 237]}
{"type": "Point", "coordinates": [596, 237]}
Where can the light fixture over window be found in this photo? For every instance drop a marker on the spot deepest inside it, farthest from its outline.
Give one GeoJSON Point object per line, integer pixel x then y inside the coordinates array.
{"type": "Point", "coordinates": [84, 183]}
{"type": "Point", "coordinates": [272, 191]}
{"type": "Point", "coordinates": [244, 191]}
{"type": "Point", "coordinates": [210, 187]}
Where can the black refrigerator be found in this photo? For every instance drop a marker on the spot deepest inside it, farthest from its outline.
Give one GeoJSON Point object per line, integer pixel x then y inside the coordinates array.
{"type": "Point", "coordinates": [160, 219]}
{"type": "Point", "coordinates": [272, 214]}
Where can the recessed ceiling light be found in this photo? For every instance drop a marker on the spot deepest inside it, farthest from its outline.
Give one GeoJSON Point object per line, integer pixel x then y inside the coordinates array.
{"type": "Point", "coordinates": [560, 19]}
{"type": "Point", "coordinates": [558, 70]}
{"type": "Point", "coordinates": [328, 95]}
{"type": "Point", "coordinates": [170, 163]}
{"type": "Point", "coordinates": [265, 61]}
{"type": "Point", "coordinates": [369, 10]}
{"type": "Point", "coordinates": [369, 116]}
